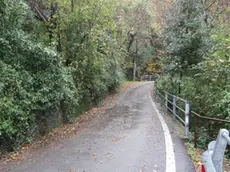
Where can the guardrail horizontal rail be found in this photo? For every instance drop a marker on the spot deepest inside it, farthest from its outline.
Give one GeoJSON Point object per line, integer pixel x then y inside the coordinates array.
{"type": "Point", "coordinates": [175, 106]}
{"type": "Point", "coordinates": [210, 118]}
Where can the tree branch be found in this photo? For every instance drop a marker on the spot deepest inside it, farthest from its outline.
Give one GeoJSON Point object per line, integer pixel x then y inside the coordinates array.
{"type": "Point", "coordinates": [223, 10]}
{"type": "Point", "coordinates": [210, 5]}
{"type": "Point", "coordinates": [36, 8]}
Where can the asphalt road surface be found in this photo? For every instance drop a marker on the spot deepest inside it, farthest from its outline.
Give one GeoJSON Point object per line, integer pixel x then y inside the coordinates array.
{"type": "Point", "coordinates": [129, 137]}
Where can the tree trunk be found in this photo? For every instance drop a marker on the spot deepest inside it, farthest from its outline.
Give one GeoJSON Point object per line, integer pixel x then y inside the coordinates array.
{"type": "Point", "coordinates": [72, 5]}
{"type": "Point", "coordinates": [134, 68]}
{"type": "Point", "coordinates": [135, 62]}
{"type": "Point", "coordinates": [179, 86]}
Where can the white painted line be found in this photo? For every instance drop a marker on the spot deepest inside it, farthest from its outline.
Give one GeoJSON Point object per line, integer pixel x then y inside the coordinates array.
{"type": "Point", "coordinates": [170, 157]}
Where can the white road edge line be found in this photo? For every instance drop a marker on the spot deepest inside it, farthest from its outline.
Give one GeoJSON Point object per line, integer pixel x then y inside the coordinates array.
{"type": "Point", "coordinates": [170, 157]}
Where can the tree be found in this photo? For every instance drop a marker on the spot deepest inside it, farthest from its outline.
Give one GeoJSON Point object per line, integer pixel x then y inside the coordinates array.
{"type": "Point", "coordinates": [33, 80]}
{"type": "Point", "coordinates": [136, 21]}
{"type": "Point", "coordinates": [197, 48]}
{"type": "Point", "coordinates": [58, 59]}
{"type": "Point", "coordinates": [185, 36]}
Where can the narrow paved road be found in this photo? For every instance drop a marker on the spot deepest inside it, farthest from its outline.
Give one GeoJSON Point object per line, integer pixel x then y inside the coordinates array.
{"type": "Point", "coordinates": [126, 138]}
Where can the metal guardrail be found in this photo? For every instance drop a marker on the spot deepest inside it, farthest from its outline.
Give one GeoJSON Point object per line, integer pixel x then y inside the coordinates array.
{"type": "Point", "coordinates": [173, 107]}
{"type": "Point", "coordinates": [149, 77]}
{"type": "Point", "coordinates": [213, 158]}
{"type": "Point", "coordinates": [172, 102]}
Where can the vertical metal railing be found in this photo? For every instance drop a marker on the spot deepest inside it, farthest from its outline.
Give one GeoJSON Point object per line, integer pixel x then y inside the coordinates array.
{"type": "Point", "coordinates": [187, 114]}
{"type": "Point", "coordinates": [171, 103]}
{"type": "Point", "coordinates": [177, 105]}
{"type": "Point", "coordinates": [213, 158]}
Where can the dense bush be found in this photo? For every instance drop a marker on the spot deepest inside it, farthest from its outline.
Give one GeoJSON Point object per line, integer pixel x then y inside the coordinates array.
{"type": "Point", "coordinates": [206, 86]}
{"type": "Point", "coordinates": [32, 79]}
{"type": "Point", "coordinates": [41, 88]}
{"type": "Point", "coordinates": [197, 61]}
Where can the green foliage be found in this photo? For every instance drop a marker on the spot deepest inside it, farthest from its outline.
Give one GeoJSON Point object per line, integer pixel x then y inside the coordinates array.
{"type": "Point", "coordinates": [91, 48]}
{"type": "Point", "coordinates": [207, 88]}
{"type": "Point", "coordinates": [41, 88]}
{"type": "Point", "coordinates": [184, 35]}
{"type": "Point", "coordinates": [142, 42]}
{"type": "Point", "coordinates": [197, 63]}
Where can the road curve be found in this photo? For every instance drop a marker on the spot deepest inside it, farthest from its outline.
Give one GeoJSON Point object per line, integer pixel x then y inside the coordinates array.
{"type": "Point", "coordinates": [126, 138]}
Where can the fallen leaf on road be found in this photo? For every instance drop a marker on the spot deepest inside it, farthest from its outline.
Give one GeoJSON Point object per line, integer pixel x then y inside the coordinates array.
{"type": "Point", "coordinates": [94, 154]}
{"type": "Point", "coordinates": [68, 130]}
{"type": "Point", "coordinates": [72, 171]}
{"type": "Point", "coordinates": [118, 139]}
{"type": "Point", "coordinates": [108, 153]}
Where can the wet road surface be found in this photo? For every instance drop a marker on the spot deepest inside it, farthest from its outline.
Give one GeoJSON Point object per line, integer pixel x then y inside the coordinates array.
{"type": "Point", "coordinates": [126, 138]}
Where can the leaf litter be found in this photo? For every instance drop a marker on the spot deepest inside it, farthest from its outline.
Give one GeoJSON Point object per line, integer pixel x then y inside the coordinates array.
{"type": "Point", "coordinates": [67, 130]}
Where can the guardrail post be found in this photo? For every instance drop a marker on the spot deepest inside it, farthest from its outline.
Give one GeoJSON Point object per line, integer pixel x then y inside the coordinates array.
{"type": "Point", "coordinates": [207, 158]}
{"type": "Point", "coordinates": [187, 113]}
{"type": "Point", "coordinates": [218, 153]}
{"type": "Point", "coordinates": [174, 107]}
{"type": "Point", "coordinates": [213, 158]}
{"type": "Point", "coordinates": [166, 101]}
